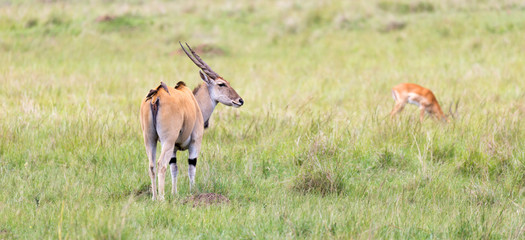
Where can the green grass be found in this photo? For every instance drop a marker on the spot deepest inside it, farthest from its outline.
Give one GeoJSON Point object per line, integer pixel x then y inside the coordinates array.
{"type": "Point", "coordinates": [311, 154]}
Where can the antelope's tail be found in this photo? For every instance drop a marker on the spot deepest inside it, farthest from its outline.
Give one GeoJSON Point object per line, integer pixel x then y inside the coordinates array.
{"type": "Point", "coordinates": [154, 104]}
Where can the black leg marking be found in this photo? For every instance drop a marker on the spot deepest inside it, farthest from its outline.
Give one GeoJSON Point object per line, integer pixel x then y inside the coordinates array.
{"type": "Point", "coordinates": [192, 162]}
{"type": "Point", "coordinates": [173, 160]}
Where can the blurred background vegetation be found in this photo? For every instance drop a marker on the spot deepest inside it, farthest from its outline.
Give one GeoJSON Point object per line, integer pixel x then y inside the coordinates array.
{"type": "Point", "coordinates": [312, 153]}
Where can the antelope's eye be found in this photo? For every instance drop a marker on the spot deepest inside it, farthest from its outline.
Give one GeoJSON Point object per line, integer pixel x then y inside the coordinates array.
{"type": "Point", "coordinates": [222, 85]}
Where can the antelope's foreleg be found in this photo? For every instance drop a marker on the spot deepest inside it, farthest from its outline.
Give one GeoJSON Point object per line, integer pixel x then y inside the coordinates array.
{"type": "Point", "coordinates": [165, 156]}
{"type": "Point", "coordinates": [174, 172]}
{"type": "Point", "coordinates": [194, 150]}
{"type": "Point", "coordinates": [397, 108]}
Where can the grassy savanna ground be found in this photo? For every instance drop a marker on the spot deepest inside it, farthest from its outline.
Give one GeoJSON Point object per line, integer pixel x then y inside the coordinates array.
{"type": "Point", "coordinates": [311, 154]}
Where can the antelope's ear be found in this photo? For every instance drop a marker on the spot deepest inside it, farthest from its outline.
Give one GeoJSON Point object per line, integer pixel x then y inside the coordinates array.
{"type": "Point", "coordinates": [206, 79]}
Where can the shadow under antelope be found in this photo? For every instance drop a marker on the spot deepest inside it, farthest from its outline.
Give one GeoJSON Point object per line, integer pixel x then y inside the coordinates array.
{"type": "Point", "coordinates": [422, 97]}
{"type": "Point", "coordinates": [176, 117]}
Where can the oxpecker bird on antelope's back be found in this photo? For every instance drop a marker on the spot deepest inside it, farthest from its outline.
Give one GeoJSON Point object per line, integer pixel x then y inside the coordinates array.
{"type": "Point", "coordinates": [176, 117]}
{"type": "Point", "coordinates": [422, 97]}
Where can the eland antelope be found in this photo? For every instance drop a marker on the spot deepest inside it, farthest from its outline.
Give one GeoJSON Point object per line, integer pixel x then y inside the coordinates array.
{"type": "Point", "coordinates": [422, 97]}
{"type": "Point", "coordinates": [176, 117]}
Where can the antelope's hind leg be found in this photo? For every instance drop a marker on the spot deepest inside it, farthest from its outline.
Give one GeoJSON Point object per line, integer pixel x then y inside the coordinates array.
{"type": "Point", "coordinates": [165, 156]}
{"type": "Point", "coordinates": [194, 150]}
{"type": "Point", "coordinates": [174, 172]}
{"type": "Point", "coordinates": [151, 150]}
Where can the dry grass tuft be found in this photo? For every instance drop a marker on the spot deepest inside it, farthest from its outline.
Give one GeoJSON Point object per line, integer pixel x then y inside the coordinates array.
{"type": "Point", "coordinates": [320, 181]}
{"type": "Point", "coordinates": [317, 174]}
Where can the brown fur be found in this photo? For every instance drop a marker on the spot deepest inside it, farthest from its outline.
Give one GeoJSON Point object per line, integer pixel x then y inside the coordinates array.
{"type": "Point", "coordinates": [154, 104]}
{"type": "Point", "coordinates": [171, 106]}
{"type": "Point", "coordinates": [154, 111]}
{"type": "Point", "coordinates": [178, 122]}
{"type": "Point", "coordinates": [177, 119]}
{"type": "Point", "coordinates": [410, 92]}
{"type": "Point", "coordinates": [154, 91]}
{"type": "Point", "coordinates": [180, 83]}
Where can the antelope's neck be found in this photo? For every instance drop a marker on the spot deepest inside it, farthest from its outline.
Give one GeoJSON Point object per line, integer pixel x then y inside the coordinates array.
{"type": "Point", "coordinates": [206, 104]}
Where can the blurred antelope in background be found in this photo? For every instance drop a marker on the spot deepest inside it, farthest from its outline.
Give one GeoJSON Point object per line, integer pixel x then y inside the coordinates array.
{"type": "Point", "coordinates": [176, 117]}
{"type": "Point", "coordinates": [422, 97]}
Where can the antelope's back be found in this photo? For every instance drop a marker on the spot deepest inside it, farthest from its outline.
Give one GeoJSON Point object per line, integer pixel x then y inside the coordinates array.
{"type": "Point", "coordinates": [177, 110]}
{"type": "Point", "coordinates": [416, 89]}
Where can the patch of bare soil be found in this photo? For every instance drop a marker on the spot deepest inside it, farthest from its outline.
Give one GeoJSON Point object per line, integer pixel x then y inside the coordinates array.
{"type": "Point", "coordinates": [393, 26]}
{"type": "Point", "coordinates": [204, 49]}
{"type": "Point", "coordinates": [205, 199]}
{"type": "Point", "coordinates": [4, 233]}
{"type": "Point", "coordinates": [105, 18]}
